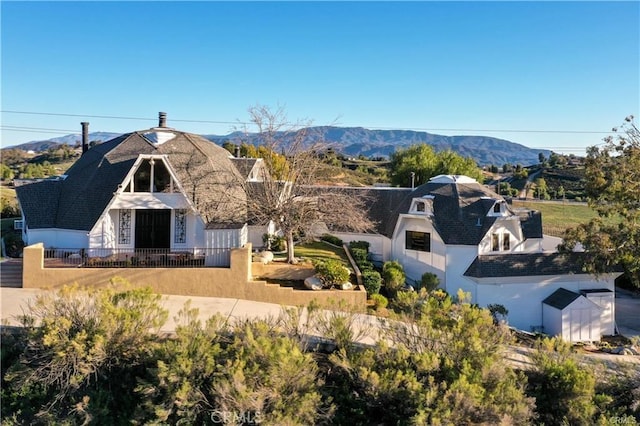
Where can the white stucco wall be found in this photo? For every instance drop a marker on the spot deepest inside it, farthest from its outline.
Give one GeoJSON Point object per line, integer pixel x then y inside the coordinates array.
{"type": "Point", "coordinates": [523, 296]}
{"type": "Point", "coordinates": [58, 238]}
{"type": "Point", "coordinates": [458, 260]}
{"type": "Point", "coordinates": [417, 262]}
{"type": "Point", "coordinates": [379, 245]}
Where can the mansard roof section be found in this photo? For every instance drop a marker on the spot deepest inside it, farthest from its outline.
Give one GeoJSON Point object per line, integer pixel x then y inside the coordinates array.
{"type": "Point", "coordinates": [460, 207]}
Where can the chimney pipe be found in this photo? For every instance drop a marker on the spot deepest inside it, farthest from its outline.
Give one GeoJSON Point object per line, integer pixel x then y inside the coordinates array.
{"type": "Point", "coordinates": [237, 151]}
{"type": "Point", "coordinates": [85, 136]}
{"type": "Point", "coordinates": [162, 119]}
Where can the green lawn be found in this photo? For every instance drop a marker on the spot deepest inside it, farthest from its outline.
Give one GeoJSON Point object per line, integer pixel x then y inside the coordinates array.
{"type": "Point", "coordinates": [556, 217]}
{"type": "Point", "coordinates": [318, 250]}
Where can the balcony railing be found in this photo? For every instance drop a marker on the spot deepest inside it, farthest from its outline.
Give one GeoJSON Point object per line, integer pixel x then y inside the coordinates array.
{"type": "Point", "coordinates": [137, 258]}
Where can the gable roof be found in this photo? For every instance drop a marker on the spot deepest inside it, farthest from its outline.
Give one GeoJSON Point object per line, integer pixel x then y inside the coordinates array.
{"type": "Point", "coordinates": [561, 298]}
{"type": "Point", "coordinates": [244, 165]}
{"type": "Point", "coordinates": [525, 264]}
{"type": "Point", "coordinates": [204, 169]}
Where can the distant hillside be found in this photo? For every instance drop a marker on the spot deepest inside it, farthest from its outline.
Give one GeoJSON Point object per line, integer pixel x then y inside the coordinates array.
{"type": "Point", "coordinates": [355, 141]}
{"type": "Point", "coordinates": [71, 140]}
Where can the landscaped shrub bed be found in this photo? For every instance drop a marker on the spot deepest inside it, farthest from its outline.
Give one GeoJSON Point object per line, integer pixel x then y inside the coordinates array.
{"type": "Point", "coordinates": [332, 239]}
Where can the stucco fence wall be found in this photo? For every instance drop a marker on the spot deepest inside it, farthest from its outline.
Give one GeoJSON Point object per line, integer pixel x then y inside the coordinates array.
{"type": "Point", "coordinates": [235, 282]}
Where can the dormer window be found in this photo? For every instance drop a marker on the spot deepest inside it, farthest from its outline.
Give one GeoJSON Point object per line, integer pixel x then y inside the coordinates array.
{"type": "Point", "coordinates": [422, 205]}
{"type": "Point", "coordinates": [497, 207]}
{"type": "Point", "coordinates": [152, 175]}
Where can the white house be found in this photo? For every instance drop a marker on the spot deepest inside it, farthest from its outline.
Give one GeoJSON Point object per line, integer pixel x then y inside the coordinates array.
{"type": "Point", "coordinates": [156, 189]}
{"type": "Point", "coordinates": [473, 240]}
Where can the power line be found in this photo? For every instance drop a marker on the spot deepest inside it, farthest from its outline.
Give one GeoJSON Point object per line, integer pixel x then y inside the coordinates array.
{"type": "Point", "coordinates": [113, 117]}
{"type": "Point", "coordinates": [26, 129]}
{"type": "Point", "coordinates": [116, 117]}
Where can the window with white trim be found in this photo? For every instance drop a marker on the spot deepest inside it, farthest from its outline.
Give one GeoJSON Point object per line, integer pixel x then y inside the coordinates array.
{"type": "Point", "coordinates": [180, 234]}
{"type": "Point", "coordinates": [124, 228]}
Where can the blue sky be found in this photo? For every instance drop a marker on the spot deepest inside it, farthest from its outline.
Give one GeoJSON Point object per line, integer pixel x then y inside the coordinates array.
{"type": "Point", "coordinates": [560, 72]}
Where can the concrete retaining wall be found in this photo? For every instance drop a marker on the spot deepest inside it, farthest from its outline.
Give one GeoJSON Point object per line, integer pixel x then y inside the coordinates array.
{"type": "Point", "coordinates": [234, 282]}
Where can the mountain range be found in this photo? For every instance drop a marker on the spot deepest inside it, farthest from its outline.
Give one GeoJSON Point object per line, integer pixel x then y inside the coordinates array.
{"type": "Point", "coordinates": [356, 141]}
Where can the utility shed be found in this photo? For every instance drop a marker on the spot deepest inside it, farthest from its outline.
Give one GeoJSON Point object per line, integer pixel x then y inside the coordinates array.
{"type": "Point", "coordinates": [604, 298]}
{"type": "Point", "coordinates": [571, 316]}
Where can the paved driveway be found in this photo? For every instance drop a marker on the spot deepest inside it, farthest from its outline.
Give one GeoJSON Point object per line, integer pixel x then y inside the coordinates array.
{"type": "Point", "coordinates": [628, 312]}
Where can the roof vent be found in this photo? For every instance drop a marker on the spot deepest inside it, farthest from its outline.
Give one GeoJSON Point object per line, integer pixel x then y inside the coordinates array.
{"type": "Point", "coordinates": [162, 119]}
{"type": "Point", "coordinates": [478, 223]}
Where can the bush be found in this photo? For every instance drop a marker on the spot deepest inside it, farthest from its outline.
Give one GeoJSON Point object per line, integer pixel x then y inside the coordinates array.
{"type": "Point", "coordinates": [394, 276]}
{"type": "Point", "coordinates": [331, 272]}
{"type": "Point", "coordinates": [359, 255]}
{"type": "Point", "coordinates": [372, 281]}
{"type": "Point", "coordinates": [364, 245]}
{"type": "Point", "coordinates": [332, 239]}
{"type": "Point", "coordinates": [429, 281]}
{"type": "Point", "coordinates": [379, 301]}
{"type": "Point", "coordinates": [391, 264]}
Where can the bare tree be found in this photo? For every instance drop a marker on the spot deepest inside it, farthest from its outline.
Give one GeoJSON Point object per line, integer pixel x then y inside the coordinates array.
{"type": "Point", "coordinates": [288, 194]}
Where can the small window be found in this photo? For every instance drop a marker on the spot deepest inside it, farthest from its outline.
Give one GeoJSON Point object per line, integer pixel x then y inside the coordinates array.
{"type": "Point", "coordinates": [124, 220]}
{"type": "Point", "coordinates": [495, 242]}
{"type": "Point", "coordinates": [506, 241]}
{"type": "Point", "coordinates": [420, 241]}
{"type": "Point", "coordinates": [18, 224]}
{"type": "Point", "coordinates": [496, 207]}
{"type": "Point", "coordinates": [420, 207]}
{"type": "Point", "coordinates": [180, 235]}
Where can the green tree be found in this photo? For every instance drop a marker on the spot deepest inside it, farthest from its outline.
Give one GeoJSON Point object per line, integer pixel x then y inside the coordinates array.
{"type": "Point", "coordinates": [5, 172]}
{"type": "Point", "coordinates": [541, 189]}
{"type": "Point", "coordinates": [613, 191]}
{"type": "Point", "coordinates": [429, 281]}
{"type": "Point", "coordinates": [393, 276]}
{"type": "Point", "coordinates": [425, 163]}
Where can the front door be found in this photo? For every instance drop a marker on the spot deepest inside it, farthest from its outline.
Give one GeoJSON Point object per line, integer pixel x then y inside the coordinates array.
{"type": "Point", "coordinates": [153, 228]}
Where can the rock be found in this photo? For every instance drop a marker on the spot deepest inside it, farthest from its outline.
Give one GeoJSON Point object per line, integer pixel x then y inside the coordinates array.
{"type": "Point", "coordinates": [313, 283]}
{"type": "Point", "coordinates": [345, 286]}
{"type": "Point", "coordinates": [267, 256]}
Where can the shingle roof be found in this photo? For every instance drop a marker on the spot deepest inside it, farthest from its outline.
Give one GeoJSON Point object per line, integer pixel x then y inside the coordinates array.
{"type": "Point", "coordinates": [525, 264]}
{"type": "Point", "coordinates": [204, 169]}
{"type": "Point", "coordinates": [459, 211]}
{"type": "Point", "coordinates": [561, 298]}
{"type": "Point", "coordinates": [39, 202]}
{"type": "Point", "coordinates": [244, 165]}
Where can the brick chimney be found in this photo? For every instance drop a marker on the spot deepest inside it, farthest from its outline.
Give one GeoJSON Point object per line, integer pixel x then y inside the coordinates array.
{"type": "Point", "coordinates": [162, 119]}
{"type": "Point", "coordinates": [85, 136]}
